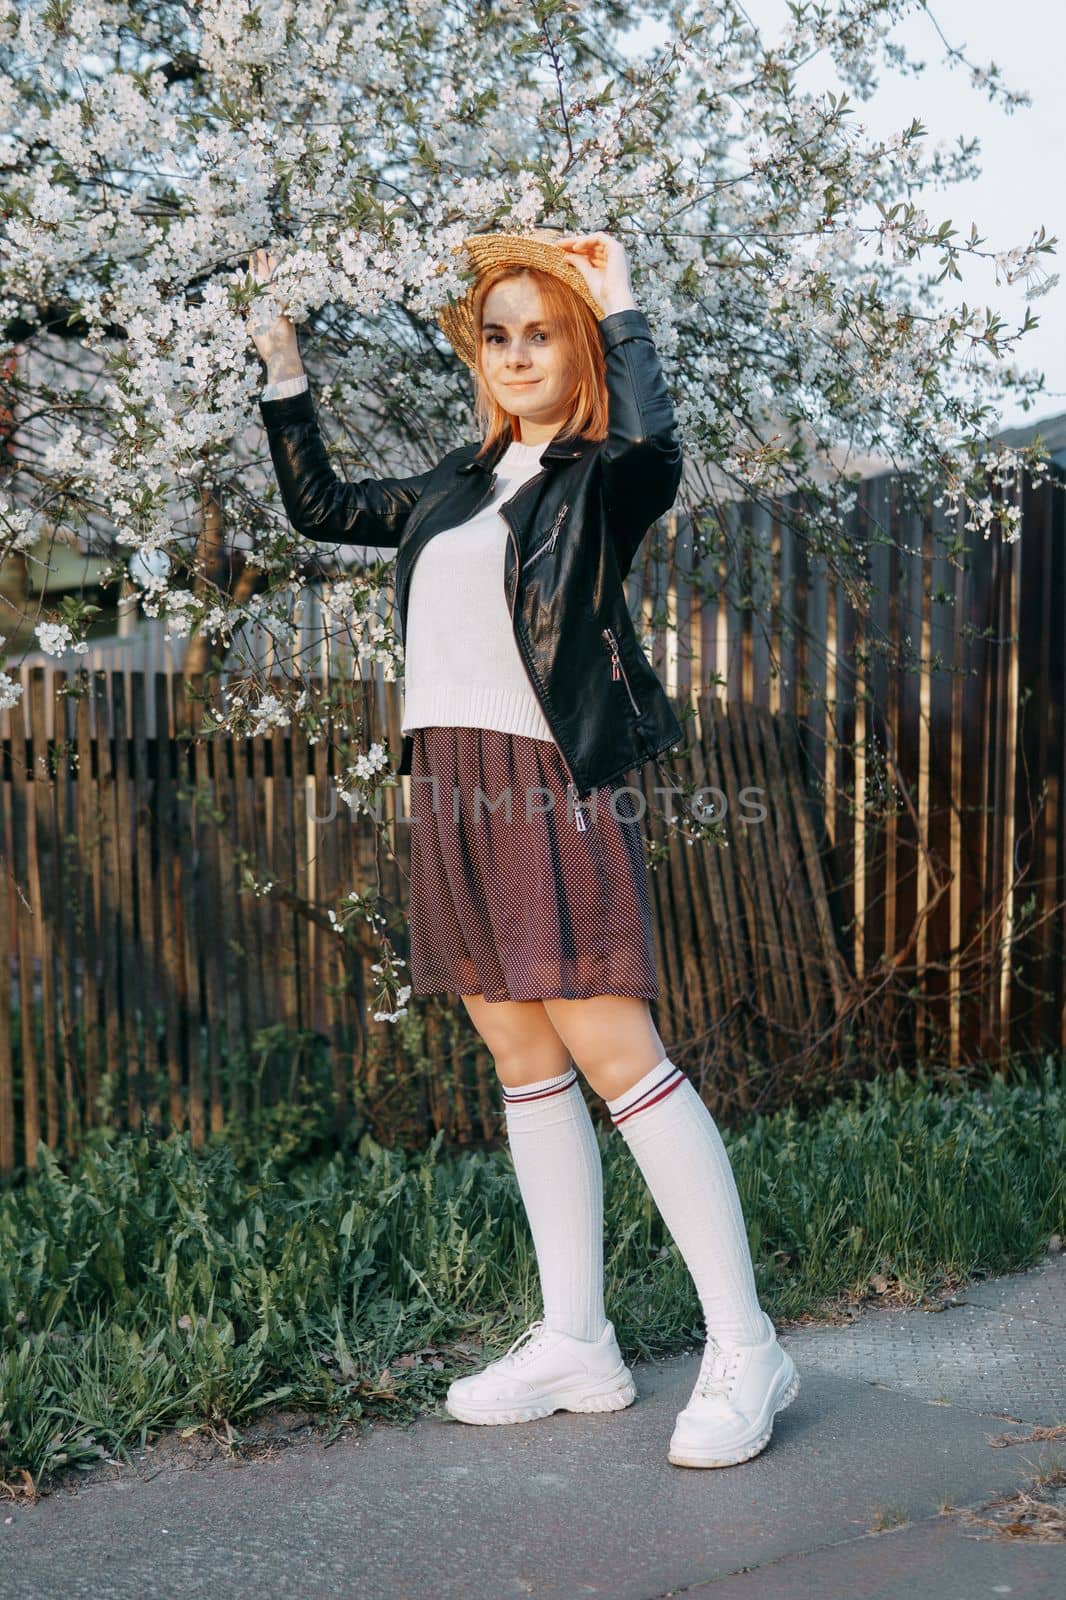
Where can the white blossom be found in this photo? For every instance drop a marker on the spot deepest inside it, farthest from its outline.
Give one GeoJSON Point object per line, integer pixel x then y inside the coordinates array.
{"type": "Point", "coordinates": [55, 638]}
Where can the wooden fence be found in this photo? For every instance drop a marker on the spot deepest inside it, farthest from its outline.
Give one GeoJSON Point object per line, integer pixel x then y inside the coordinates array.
{"type": "Point", "coordinates": [128, 920]}
{"type": "Point", "coordinates": [959, 717]}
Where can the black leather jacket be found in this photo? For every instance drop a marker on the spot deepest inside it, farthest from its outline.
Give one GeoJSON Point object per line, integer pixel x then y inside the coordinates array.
{"type": "Point", "coordinates": [574, 531]}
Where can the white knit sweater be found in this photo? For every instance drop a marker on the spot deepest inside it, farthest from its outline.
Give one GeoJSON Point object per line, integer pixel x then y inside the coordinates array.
{"type": "Point", "coordinates": [462, 666]}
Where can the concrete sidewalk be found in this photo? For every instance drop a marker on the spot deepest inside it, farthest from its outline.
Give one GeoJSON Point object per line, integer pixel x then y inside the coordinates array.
{"type": "Point", "coordinates": [893, 1423]}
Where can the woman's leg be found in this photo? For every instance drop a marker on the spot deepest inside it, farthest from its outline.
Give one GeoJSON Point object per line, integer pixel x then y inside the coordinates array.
{"type": "Point", "coordinates": [745, 1377]}
{"type": "Point", "coordinates": [556, 1158]}
{"type": "Point", "coordinates": [677, 1146]}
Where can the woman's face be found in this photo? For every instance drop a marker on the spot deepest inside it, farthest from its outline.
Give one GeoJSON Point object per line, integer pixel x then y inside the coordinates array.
{"type": "Point", "coordinates": [524, 359]}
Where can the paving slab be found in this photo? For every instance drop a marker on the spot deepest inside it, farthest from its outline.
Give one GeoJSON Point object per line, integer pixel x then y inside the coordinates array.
{"type": "Point", "coordinates": [1039, 1295]}
{"type": "Point", "coordinates": [916, 1562]}
{"type": "Point", "coordinates": [998, 1350]}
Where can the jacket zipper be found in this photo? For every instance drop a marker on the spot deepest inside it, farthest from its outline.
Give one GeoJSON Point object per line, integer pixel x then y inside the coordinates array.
{"type": "Point", "coordinates": [580, 819]}
{"type": "Point", "coordinates": [617, 669]}
{"type": "Point", "coordinates": [549, 543]}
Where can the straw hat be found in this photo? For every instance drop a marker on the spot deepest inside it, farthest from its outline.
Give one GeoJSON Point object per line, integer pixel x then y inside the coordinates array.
{"type": "Point", "coordinates": [485, 250]}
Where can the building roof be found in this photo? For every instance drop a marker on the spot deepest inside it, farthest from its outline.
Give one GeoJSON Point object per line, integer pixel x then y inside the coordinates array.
{"type": "Point", "coordinates": [1052, 431]}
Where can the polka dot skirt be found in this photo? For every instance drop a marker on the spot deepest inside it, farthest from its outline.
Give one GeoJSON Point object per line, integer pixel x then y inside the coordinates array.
{"type": "Point", "coordinates": [509, 897]}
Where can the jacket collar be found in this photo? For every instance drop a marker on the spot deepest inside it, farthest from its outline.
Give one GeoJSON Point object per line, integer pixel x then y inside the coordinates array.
{"type": "Point", "coordinates": [554, 450]}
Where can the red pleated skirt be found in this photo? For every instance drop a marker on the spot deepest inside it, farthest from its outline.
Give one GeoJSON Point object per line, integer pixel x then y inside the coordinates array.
{"type": "Point", "coordinates": [509, 897]}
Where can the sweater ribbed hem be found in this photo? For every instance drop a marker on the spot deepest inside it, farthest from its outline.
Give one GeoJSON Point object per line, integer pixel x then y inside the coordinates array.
{"type": "Point", "coordinates": [476, 706]}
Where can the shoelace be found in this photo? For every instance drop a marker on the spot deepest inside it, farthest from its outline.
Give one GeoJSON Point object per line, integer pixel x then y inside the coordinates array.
{"type": "Point", "coordinates": [531, 1333]}
{"type": "Point", "coordinates": [716, 1374]}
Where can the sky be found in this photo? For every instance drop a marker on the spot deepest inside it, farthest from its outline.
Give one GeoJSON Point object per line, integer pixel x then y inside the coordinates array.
{"type": "Point", "coordinates": [1022, 184]}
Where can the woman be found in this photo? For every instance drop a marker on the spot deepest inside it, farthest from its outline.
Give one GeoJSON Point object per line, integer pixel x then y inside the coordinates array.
{"type": "Point", "coordinates": [525, 686]}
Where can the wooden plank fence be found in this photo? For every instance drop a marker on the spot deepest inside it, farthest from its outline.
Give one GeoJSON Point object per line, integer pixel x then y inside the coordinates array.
{"type": "Point", "coordinates": [128, 919]}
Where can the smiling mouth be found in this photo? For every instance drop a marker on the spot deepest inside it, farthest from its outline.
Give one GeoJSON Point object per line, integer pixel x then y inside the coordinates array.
{"type": "Point", "coordinates": [523, 383]}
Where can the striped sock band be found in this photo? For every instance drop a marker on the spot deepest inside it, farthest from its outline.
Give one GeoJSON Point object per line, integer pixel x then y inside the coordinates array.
{"type": "Point", "coordinates": [544, 1090]}
{"type": "Point", "coordinates": [648, 1091]}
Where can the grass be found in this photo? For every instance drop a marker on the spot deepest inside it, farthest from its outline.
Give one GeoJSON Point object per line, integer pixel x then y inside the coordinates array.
{"type": "Point", "coordinates": [1036, 1512]}
{"type": "Point", "coordinates": [888, 1517]}
{"type": "Point", "coordinates": [152, 1287]}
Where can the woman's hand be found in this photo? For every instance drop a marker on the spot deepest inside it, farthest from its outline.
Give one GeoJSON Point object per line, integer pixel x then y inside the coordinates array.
{"type": "Point", "coordinates": [270, 330]}
{"type": "Point", "coordinates": [602, 263]}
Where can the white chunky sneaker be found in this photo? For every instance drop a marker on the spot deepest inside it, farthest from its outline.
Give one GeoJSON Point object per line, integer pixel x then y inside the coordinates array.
{"type": "Point", "coordinates": [543, 1371]}
{"type": "Point", "coordinates": [730, 1414]}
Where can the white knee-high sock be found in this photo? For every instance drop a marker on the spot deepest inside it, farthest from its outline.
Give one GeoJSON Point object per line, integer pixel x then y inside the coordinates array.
{"type": "Point", "coordinates": [679, 1150]}
{"type": "Point", "coordinates": [560, 1176]}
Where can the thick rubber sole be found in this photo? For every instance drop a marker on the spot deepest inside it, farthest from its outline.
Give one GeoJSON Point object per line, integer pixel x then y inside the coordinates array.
{"type": "Point", "coordinates": [687, 1457]}
{"type": "Point", "coordinates": [613, 1395]}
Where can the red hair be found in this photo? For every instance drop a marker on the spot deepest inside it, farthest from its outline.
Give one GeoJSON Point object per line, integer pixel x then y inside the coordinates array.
{"type": "Point", "coordinates": [575, 323]}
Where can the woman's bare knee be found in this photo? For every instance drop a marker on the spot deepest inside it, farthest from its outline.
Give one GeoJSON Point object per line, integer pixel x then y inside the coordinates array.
{"type": "Point", "coordinates": [612, 1038]}
{"type": "Point", "coordinates": [520, 1037]}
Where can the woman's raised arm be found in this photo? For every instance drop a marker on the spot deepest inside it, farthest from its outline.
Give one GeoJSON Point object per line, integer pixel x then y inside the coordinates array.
{"type": "Point", "coordinates": [641, 459]}
{"type": "Point", "coordinates": [370, 511]}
